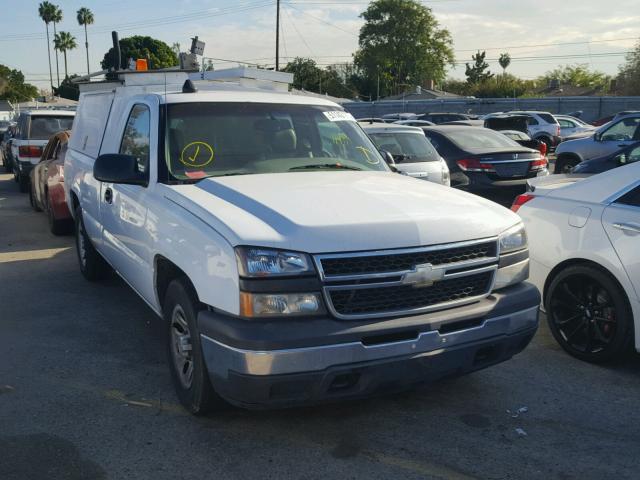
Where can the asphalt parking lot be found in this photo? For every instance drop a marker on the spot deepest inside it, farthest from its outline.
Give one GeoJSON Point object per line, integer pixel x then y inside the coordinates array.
{"type": "Point", "coordinates": [85, 393]}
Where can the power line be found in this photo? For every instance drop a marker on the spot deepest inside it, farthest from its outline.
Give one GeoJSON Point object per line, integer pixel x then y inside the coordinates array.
{"type": "Point", "coordinates": [161, 21]}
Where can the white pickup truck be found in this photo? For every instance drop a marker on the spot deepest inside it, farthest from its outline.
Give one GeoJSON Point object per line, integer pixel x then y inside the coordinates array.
{"type": "Point", "coordinates": [289, 262]}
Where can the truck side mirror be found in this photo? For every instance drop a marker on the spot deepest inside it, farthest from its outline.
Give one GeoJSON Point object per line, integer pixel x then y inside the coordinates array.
{"type": "Point", "coordinates": [621, 159]}
{"type": "Point", "coordinates": [597, 137]}
{"type": "Point", "coordinates": [118, 168]}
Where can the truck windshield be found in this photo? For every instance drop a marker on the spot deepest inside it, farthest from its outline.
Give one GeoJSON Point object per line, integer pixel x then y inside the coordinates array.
{"type": "Point", "coordinates": [207, 139]}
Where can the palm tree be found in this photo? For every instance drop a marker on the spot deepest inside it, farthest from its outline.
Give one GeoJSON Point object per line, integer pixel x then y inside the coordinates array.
{"type": "Point", "coordinates": [45, 11]}
{"type": "Point", "coordinates": [64, 42]}
{"type": "Point", "coordinates": [504, 61]}
{"type": "Point", "coordinates": [85, 17]}
{"type": "Point", "coordinates": [56, 17]}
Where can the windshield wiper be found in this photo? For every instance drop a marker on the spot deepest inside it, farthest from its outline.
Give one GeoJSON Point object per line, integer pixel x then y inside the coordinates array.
{"type": "Point", "coordinates": [337, 166]}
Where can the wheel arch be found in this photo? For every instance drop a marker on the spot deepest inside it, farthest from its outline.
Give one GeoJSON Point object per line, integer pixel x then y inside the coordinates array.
{"type": "Point", "coordinates": [580, 261]}
{"type": "Point", "coordinates": [75, 202]}
{"type": "Point", "coordinates": [165, 271]}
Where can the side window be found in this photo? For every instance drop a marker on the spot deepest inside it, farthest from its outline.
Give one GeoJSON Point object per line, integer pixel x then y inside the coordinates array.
{"type": "Point", "coordinates": [565, 123]}
{"type": "Point", "coordinates": [533, 121]}
{"type": "Point", "coordinates": [136, 137]}
{"type": "Point", "coordinates": [634, 155]}
{"type": "Point", "coordinates": [631, 198]}
{"type": "Point", "coordinates": [622, 131]}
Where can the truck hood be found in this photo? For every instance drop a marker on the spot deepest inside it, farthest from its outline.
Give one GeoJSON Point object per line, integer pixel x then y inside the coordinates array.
{"type": "Point", "coordinates": [319, 212]}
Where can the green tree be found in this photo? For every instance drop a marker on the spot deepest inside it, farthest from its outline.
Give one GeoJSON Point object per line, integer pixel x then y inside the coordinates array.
{"type": "Point", "coordinates": [13, 87]}
{"type": "Point", "coordinates": [64, 42]}
{"type": "Point", "coordinates": [629, 76]}
{"type": "Point", "coordinates": [502, 86]}
{"type": "Point", "coordinates": [56, 17]}
{"type": "Point", "coordinates": [308, 76]}
{"type": "Point", "coordinates": [158, 53]}
{"type": "Point", "coordinates": [85, 17]}
{"type": "Point", "coordinates": [504, 61]}
{"type": "Point", "coordinates": [46, 11]}
{"type": "Point", "coordinates": [479, 72]}
{"type": "Point", "coordinates": [400, 43]}
{"type": "Point", "coordinates": [577, 76]}
{"type": "Point", "coordinates": [68, 89]}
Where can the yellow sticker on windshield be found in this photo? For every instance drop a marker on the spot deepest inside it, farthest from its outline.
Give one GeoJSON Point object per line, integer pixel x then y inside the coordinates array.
{"type": "Point", "coordinates": [196, 155]}
{"type": "Point", "coordinates": [368, 154]}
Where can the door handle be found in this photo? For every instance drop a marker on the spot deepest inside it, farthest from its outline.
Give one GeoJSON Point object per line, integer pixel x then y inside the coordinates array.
{"type": "Point", "coordinates": [627, 227]}
{"type": "Point", "coordinates": [108, 195]}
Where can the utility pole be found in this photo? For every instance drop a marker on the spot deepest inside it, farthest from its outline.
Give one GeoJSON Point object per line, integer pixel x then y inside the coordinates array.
{"type": "Point", "coordinates": [277, 35]}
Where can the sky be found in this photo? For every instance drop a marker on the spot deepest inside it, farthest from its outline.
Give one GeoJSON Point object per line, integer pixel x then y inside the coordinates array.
{"type": "Point", "coordinates": [538, 34]}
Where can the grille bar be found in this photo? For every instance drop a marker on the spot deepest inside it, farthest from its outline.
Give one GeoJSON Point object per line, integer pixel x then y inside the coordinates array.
{"type": "Point", "coordinates": [393, 262]}
{"type": "Point", "coordinates": [406, 298]}
{"type": "Point", "coordinates": [377, 284]}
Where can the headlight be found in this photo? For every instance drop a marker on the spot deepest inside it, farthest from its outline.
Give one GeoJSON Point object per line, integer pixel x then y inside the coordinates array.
{"type": "Point", "coordinates": [263, 262]}
{"type": "Point", "coordinates": [513, 265]}
{"type": "Point", "coordinates": [279, 304]}
{"type": "Point", "coordinates": [446, 176]}
{"type": "Point", "coordinates": [513, 239]}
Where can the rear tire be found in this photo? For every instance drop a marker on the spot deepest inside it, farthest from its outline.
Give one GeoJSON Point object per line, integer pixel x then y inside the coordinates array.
{"type": "Point", "coordinates": [32, 200]}
{"type": "Point", "coordinates": [589, 314]}
{"type": "Point", "coordinates": [184, 351]}
{"type": "Point", "coordinates": [565, 164]}
{"type": "Point", "coordinates": [7, 164]}
{"type": "Point", "coordinates": [58, 227]}
{"type": "Point", "coordinates": [92, 266]}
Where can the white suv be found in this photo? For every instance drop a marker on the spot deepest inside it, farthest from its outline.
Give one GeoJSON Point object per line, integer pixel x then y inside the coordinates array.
{"type": "Point", "coordinates": [289, 263]}
{"type": "Point", "coordinates": [412, 153]}
{"type": "Point", "coordinates": [542, 126]}
{"type": "Point", "coordinates": [32, 134]}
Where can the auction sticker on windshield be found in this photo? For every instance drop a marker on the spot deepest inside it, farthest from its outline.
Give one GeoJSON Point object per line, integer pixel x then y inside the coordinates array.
{"type": "Point", "coordinates": [339, 116]}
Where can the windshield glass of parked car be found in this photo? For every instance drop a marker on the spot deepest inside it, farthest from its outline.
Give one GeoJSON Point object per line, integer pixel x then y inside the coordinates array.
{"type": "Point", "coordinates": [43, 126]}
{"type": "Point", "coordinates": [480, 139]}
{"type": "Point", "coordinates": [206, 139]}
{"type": "Point", "coordinates": [406, 147]}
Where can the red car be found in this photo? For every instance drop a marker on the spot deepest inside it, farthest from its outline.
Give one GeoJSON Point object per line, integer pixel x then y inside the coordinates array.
{"type": "Point", "coordinates": [47, 185]}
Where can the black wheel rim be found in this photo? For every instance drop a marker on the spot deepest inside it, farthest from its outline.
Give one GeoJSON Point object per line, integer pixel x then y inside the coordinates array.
{"type": "Point", "coordinates": [583, 312]}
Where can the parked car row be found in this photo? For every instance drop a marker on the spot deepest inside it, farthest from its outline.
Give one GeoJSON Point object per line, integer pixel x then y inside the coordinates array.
{"type": "Point", "coordinates": [296, 256]}
{"type": "Point", "coordinates": [574, 140]}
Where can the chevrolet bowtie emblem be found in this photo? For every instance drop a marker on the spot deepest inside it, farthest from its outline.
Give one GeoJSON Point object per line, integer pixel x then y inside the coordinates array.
{"type": "Point", "coordinates": [423, 275]}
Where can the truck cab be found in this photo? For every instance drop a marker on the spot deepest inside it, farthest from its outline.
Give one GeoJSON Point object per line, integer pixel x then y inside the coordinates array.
{"type": "Point", "coordinates": [289, 264]}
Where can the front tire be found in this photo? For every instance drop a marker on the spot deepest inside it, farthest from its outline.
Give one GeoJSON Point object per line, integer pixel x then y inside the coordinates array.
{"type": "Point", "coordinates": [184, 352]}
{"type": "Point", "coordinates": [92, 266]}
{"type": "Point", "coordinates": [23, 183]}
{"type": "Point", "coordinates": [589, 314]}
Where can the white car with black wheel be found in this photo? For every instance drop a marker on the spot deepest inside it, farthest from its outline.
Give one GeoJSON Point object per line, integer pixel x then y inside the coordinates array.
{"type": "Point", "coordinates": [584, 241]}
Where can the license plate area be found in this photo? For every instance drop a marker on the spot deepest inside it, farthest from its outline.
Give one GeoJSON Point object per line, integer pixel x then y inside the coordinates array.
{"type": "Point", "coordinates": [510, 170]}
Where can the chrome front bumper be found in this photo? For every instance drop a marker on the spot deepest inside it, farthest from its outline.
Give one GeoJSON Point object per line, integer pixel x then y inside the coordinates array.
{"type": "Point", "coordinates": [222, 359]}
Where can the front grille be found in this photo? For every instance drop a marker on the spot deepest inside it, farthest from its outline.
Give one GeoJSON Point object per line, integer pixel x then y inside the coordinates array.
{"type": "Point", "coordinates": [378, 300]}
{"type": "Point", "coordinates": [398, 262]}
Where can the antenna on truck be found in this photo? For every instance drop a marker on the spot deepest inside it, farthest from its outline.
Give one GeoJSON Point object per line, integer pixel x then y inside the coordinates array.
{"type": "Point", "coordinates": [117, 60]}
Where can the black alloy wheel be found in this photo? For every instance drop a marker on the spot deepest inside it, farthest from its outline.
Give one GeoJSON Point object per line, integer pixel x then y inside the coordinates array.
{"type": "Point", "coordinates": [588, 314]}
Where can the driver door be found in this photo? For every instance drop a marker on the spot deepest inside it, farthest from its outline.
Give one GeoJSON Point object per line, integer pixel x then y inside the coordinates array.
{"type": "Point", "coordinates": [123, 208]}
{"type": "Point", "coordinates": [619, 135]}
{"type": "Point", "coordinates": [621, 221]}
